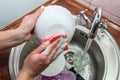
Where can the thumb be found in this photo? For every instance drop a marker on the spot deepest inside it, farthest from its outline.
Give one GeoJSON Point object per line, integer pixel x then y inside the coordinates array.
{"type": "Point", "coordinates": [38, 13]}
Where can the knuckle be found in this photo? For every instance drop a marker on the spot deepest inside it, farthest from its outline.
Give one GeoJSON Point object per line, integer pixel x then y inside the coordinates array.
{"type": "Point", "coordinates": [43, 58]}
{"type": "Point", "coordinates": [58, 46]}
{"type": "Point", "coordinates": [54, 51]}
{"type": "Point", "coordinates": [27, 16]}
{"type": "Point", "coordinates": [50, 49]}
{"type": "Point", "coordinates": [31, 21]}
{"type": "Point", "coordinates": [47, 61]}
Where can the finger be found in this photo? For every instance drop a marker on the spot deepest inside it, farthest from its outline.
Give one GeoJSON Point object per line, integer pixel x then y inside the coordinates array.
{"type": "Point", "coordinates": [53, 45]}
{"type": "Point", "coordinates": [41, 48]}
{"type": "Point", "coordinates": [37, 13]}
{"type": "Point", "coordinates": [39, 59]}
{"type": "Point", "coordinates": [54, 52]}
{"type": "Point", "coordinates": [49, 49]}
{"type": "Point", "coordinates": [43, 59]}
{"type": "Point", "coordinates": [46, 52]}
{"type": "Point", "coordinates": [58, 49]}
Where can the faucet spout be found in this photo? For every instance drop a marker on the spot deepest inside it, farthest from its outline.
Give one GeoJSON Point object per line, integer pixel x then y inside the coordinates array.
{"type": "Point", "coordinates": [95, 22]}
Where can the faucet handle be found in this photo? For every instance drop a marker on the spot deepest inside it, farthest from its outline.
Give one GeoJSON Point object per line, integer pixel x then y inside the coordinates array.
{"type": "Point", "coordinates": [104, 25]}
{"type": "Point", "coordinates": [83, 11]}
{"type": "Point", "coordinates": [85, 17]}
{"type": "Point", "coordinates": [81, 18]}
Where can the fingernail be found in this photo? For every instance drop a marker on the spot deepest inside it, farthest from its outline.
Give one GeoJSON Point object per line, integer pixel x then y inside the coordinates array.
{"type": "Point", "coordinates": [61, 49]}
{"type": "Point", "coordinates": [61, 42]}
{"type": "Point", "coordinates": [66, 39]}
{"type": "Point", "coordinates": [45, 52]}
{"type": "Point", "coordinates": [46, 43]}
{"type": "Point", "coordinates": [42, 7]}
{"type": "Point", "coordinates": [64, 45]}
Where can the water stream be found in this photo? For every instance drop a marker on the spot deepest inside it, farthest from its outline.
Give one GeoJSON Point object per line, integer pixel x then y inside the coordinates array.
{"type": "Point", "coordinates": [87, 46]}
{"type": "Point", "coordinates": [83, 64]}
{"type": "Point", "coordinates": [84, 59]}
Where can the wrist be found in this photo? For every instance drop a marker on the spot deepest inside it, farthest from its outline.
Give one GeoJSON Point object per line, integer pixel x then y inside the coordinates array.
{"type": "Point", "coordinates": [24, 76]}
{"type": "Point", "coordinates": [22, 34]}
{"type": "Point", "coordinates": [25, 33]}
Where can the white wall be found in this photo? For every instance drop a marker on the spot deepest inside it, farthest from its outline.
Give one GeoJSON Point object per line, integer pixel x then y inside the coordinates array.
{"type": "Point", "coordinates": [11, 10]}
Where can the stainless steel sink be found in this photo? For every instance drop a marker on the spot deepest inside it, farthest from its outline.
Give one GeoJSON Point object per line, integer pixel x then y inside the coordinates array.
{"type": "Point", "coordinates": [103, 55]}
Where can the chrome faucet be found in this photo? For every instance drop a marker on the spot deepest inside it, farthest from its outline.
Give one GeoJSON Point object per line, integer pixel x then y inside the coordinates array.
{"type": "Point", "coordinates": [83, 15]}
{"type": "Point", "coordinates": [95, 21]}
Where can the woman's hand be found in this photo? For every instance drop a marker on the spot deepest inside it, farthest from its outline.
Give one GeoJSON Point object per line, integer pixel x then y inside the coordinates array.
{"type": "Point", "coordinates": [28, 23]}
{"type": "Point", "coordinates": [17, 36]}
{"type": "Point", "coordinates": [37, 60]}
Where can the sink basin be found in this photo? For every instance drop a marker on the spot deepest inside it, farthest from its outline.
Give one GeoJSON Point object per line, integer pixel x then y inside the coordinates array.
{"type": "Point", "coordinates": [103, 55]}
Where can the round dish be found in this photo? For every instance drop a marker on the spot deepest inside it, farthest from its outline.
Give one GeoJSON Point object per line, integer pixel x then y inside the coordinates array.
{"type": "Point", "coordinates": [55, 67]}
{"type": "Point", "coordinates": [55, 20]}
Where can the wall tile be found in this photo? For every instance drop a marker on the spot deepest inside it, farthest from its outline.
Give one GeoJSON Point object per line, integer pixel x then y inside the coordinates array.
{"type": "Point", "coordinates": [111, 7]}
{"type": "Point", "coordinates": [86, 3]}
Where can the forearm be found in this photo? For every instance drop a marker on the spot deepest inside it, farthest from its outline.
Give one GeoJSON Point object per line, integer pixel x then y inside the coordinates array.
{"type": "Point", "coordinates": [11, 38]}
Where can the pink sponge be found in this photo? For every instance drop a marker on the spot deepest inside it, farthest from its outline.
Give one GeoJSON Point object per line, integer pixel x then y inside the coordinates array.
{"type": "Point", "coordinates": [53, 38]}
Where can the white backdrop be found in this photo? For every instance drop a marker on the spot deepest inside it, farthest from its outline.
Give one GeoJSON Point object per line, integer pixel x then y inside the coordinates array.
{"type": "Point", "coordinates": [11, 10]}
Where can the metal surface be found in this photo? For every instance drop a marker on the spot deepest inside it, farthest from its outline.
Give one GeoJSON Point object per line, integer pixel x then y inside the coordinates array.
{"type": "Point", "coordinates": [95, 22]}
{"type": "Point", "coordinates": [103, 54]}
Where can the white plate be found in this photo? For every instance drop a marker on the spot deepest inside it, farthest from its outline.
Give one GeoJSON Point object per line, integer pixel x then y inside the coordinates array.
{"type": "Point", "coordinates": [55, 20]}
{"type": "Point", "coordinates": [55, 67]}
